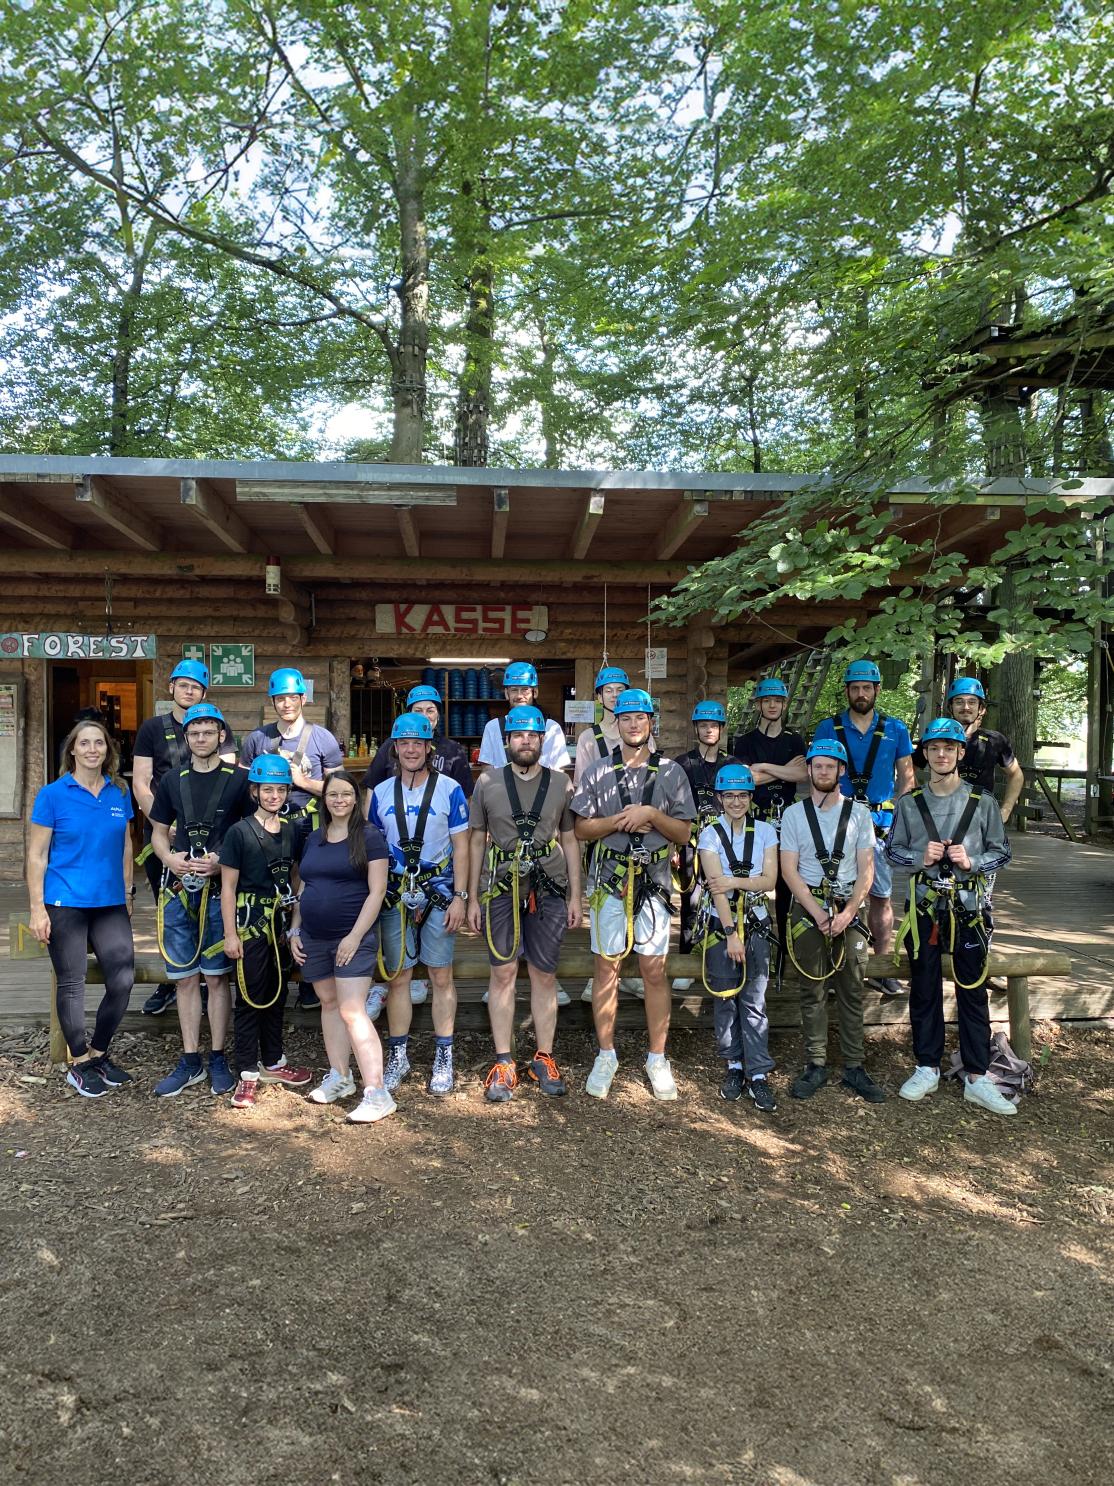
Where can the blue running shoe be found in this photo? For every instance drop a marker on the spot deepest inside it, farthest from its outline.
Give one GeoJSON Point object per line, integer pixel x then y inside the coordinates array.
{"type": "Point", "coordinates": [221, 1078]}
{"type": "Point", "coordinates": [184, 1075]}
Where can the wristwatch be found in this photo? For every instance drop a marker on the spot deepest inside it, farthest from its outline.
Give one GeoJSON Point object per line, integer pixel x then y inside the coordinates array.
{"type": "Point", "coordinates": [462, 894]}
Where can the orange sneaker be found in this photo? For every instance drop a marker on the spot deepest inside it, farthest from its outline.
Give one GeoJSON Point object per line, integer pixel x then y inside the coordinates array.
{"type": "Point", "coordinates": [543, 1072]}
{"type": "Point", "coordinates": [501, 1082]}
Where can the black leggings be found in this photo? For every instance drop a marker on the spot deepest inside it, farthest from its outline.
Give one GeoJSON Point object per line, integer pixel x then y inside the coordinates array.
{"type": "Point", "coordinates": [108, 932]}
{"type": "Point", "coordinates": [258, 1032]}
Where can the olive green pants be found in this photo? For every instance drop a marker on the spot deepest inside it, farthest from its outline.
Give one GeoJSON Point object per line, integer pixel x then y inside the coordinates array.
{"type": "Point", "coordinates": [814, 953]}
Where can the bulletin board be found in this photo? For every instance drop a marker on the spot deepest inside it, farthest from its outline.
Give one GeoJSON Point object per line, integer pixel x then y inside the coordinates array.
{"type": "Point", "coordinates": [11, 751]}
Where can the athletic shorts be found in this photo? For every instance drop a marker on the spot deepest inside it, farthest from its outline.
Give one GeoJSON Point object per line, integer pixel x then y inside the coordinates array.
{"type": "Point", "coordinates": [429, 943]}
{"type": "Point", "coordinates": [180, 932]}
{"type": "Point", "coordinates": [609, 928]}
{"type": "Point", "coordinates": [321, 961]}
{"type": "Point", "coordinates": [540, 936]}
{"type": "Point", "coordinates": [883, 884]}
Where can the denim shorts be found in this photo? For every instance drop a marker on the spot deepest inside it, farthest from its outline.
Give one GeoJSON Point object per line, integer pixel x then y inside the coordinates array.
{"type": "Point", "coordinates": [180, 937]}
{"type": "Point", "coordinates": [321, 958]}
{"type": "Point", "coordinates": [608, 925]}
{"type": "Point", "coordinates": [883, 884]}
{"type": "Point", "coordinates": [429, 943]}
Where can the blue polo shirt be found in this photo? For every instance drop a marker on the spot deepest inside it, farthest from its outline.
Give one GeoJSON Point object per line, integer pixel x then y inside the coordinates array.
{"type": "Point", "coordinates": [895, 744]}
{"type": "Point", "coordinates": [85, 867]}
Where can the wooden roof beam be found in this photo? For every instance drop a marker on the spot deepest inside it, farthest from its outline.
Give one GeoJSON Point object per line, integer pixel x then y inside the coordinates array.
{"type": "Point", "coordinates": [214, 512]}
{"type": "Point", "coordinates": [408, 530]}
{"type": "Point", "coordinates": [318, 529]}
{"type": "Point", "coordinates": [681, 525]}
{"type": "Point", "coordinates": [34, 521]}
{"type": "Point", "coordinates": [501, 515]}
{"type": "Point", "coordinates": [586, 527]}
{"type": "Point", "coordinates": [119, 514]}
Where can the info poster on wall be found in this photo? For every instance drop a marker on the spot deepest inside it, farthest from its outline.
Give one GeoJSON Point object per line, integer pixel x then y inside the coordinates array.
{"type": "Point", "coordinates": [11, 759]}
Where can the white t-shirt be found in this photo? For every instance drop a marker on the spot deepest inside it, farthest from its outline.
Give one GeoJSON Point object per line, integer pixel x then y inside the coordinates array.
{"type": "Point", "coordinates": [555, 752]}
{"type": "Point", "coordinates": [764, 837]}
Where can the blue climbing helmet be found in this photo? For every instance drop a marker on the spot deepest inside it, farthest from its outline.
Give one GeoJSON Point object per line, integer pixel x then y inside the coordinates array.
{"type": "Point", "coordinates": [862, 670]}
{"type": "Point", "coordinates": [271, 768]}
{"type": "Point", "coordinates": [520, 673]}
{"type": "Point", "coordinates": [967, 686]}
{"type": "Point", "coordinates": [285, 682]}
{"type": "Point", "coordinates": [202, 712]}
{"type": "Point", "coordinates": [944, 730]}
{"type": "Point", "coordinates": [826, 748]}
{"type": "Point", "coordinates": [524, 720]}
{"type": "Point", "coordinates": [735, 777]}
{"type": "Point", "coordinates": [191, 670]}
{"type": "Point", "coordinates": [709, 712]}
{"type": "Point", "coordinates": [634, 699]}
{"type": "Point", "coordinates": [423, 694]}
{"type": "Point", "coordinates": [412, 725]}
{"type": "Point", "coordinates": [611, 676]}
{"type": "Point", "coordinates": [771, 686]}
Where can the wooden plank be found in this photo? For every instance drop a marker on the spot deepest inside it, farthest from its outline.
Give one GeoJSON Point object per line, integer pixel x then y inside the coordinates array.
{"type": "Point", "coordinates": [408, 530]}
{"type": "Point", "coordinates": [119, 514]}
{"type": "Point", "coordinates": [586, 527]}
{"type": "Point", "coordinates": [211, 509]}
{"type": "Point", "coordinates": [680, 527]}
{"type": "Point", "coordinates": [318, 529]}
{"type": "Point", "coordinates": [1038, 775]}
{"type": "Point", "coordinates": [501, 515]}
{"type": "Point", "coordinates": [33, 520]}
{"type": "Point", "coordinates": [344, 492]}
{"type": "Point", "coordinates": [1017, 997]}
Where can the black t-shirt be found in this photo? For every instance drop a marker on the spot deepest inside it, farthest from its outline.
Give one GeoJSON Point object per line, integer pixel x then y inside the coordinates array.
{"type": "Point", "coordinates": [252, 850]}
{"type": "Point", "coordinates": [334, 891]}
{"type": "Point", "coordinates": [757, 747]}
{"type": "Point", "coordinates": [449, 758]}
{"type": "Point", "coordinates": [987, 750]}
{"type": "Point", "coordinates": [235, 798]}
{"type": "Point", "coordinates": [151, 742]}
{"type": "Point", "coordinates": [701, 775]}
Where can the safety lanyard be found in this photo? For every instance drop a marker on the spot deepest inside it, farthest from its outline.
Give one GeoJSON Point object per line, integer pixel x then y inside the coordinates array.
{"type": "Point", "coordinates": [177, 750]}
{"type": "Point", "coordinates": [526, 821]}
{"type": "Point", "coordinates": [652, 766]}
{"type": "Point", "coordinates": [278, 864]}
{"type": "Point", "coordinates": [860, 780]}
{"type": "Point", "coordinates": [739, 867]}
{"type": "Point", "coordinates": [305, 737]}
{"type": "Point", "coordinates": [200, 828]}
{"type": "Point", "coordinates": [829, 861]}
{"type": "Point", "coordinates": [411, 845]}
{"type": "Point", "coordinates": [601, 741]}
{"type": "Point", "coordinates": [963, 825]}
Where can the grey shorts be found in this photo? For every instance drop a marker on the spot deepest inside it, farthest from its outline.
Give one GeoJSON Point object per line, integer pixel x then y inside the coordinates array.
{"type": "Point", "coordinates": [541, 933]}
{"type": "Point", "coordinates": [321, 962]}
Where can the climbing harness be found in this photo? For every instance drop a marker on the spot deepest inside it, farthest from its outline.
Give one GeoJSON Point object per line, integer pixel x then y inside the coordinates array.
{"type": "Point", "coordinates": [941, 901]}
{"type": "Point", "coordinates": [622, 873]}
{"type": "Point", "coordinates": [260, 915]}
{"type": "Point", "coordinates": [707, 812]}
{"type": "Point", "coordinates": [199, 830]}
{"type": "Point", "coordinates": [826, 892]}
{"type": "Point", "coordinates": [860, 778]}
{"type": "Point", "coordinates": [410, 891]}
{"type": "Point", "coordinates": [745, 907]}
{"type": "Point", "coordinates": [290, 811]}
{"type": "Point", "coordinates": [525, 858]}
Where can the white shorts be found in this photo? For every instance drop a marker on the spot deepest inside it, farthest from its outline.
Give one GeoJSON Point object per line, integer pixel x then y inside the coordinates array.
{"type": "Point", "coordinates": [609, 928]}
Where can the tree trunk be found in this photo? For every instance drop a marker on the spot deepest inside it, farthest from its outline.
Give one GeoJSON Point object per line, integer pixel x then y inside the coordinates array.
{"type": "Point", "coordinates": [752, 419]}
{"type": "Point", "coordinates": [408, 378]}
{"type": "Point", "coordinates": [1013, 688]}
{"type": "Point", "coordinates": [473, 405]}
{"type": "Point", "coordinates": [1003, 435]}
{"type": "Point", "coordinates": [861, 398]}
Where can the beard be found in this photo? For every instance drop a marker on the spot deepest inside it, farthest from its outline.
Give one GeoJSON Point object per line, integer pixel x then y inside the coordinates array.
{"type": "Point", "coordinates": [825, 789]}
{"type": "Point", "coordinates": [525, 755]}
{"type": "Point", "coordinates": [862, 706]}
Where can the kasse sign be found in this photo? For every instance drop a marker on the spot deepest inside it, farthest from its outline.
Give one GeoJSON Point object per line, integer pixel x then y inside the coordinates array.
{"type": "Point", "coordinates": [460, 619]}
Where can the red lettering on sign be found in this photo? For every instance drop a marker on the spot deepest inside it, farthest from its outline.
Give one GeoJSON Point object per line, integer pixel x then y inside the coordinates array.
{"type": "Point", "coordinates": [494, 619]}
{"type": "Point", "coordinates": [521, 618]}
{"type": "Point", "coordinates": [436, 621]}
{"type": "Point", "coordinates": [402, 624]}
{"type": "Point", "coordinates": [467, 619]}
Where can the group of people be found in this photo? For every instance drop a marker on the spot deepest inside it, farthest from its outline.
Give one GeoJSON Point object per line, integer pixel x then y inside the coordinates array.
{"type": "Point", "coordinates": [268, 855]}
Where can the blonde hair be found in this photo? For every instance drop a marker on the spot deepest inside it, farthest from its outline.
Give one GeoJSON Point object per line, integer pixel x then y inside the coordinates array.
{"type": "Point", "coordinates": [111, 765]}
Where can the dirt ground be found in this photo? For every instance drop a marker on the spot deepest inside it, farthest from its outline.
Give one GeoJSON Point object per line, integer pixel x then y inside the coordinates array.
{"type": "Point", "coordinates": [558, 1290]}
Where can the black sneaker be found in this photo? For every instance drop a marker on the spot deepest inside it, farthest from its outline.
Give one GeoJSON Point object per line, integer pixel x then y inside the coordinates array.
{"type": "Point", "coordinates": [544, 1074]}
{"type": "Point", "coordinates": [112, 1075]}
{"type": "Point", "coordinates": [859, 1081]}
{"type": "Point", "coordinates": [162, 998]}
{"type": "Point", "coordinates": [807, 1083]}
{"type": "Point", "coordinates": [733, 1085]}
{"type": "Point", "coordinates": [763, 1096]}
{"type": "Point", "coordinates": [308, 999]}
{"type": "Point", "coordinates": [85, 1078]}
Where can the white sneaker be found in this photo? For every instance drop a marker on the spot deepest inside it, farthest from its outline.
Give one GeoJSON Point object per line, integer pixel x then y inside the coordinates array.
{"type": "Point", "coordinates": [419, 990]}
{"type": "Point", "coordinates": [983, 1091]}
{"type": "Point", "coordinates": [920, 1083]}
{"type": "Point", "coordinates": [660, 1075]}
{"type": "Point", "coordinates": [586, 993]}
{"type": "Point", "coordinates": [376, 1104]}
{"type": "Point", "coordinates": [563, 997]}
{"type": "Point", "coordinates": [603, 1071]}
{"type": "Point", "coordinates": [332, 1087]}
{"type": "Point", "coordinates": [484, 997]}
{"type": "Point", "coordinates": [375, 999]}
{"type": "Point", "coordinates": [684, 983]}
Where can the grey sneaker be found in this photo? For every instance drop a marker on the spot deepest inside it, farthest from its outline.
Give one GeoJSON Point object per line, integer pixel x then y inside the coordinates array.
{"type": "Point", "coordinates": [441, 1080]}
{"type": "Point", "coordinates": [376, 1104]}
{"type": "Point", "coordinates": [396, 1068]}
{"type": "Point", "coordinates": [332, 1087]}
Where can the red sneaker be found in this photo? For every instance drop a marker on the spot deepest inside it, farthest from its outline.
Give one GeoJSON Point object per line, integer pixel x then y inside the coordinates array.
{"type": "Point", "coordinates": [283, 1073]}
{"type": "Point", "coordinates": [244, 1097]}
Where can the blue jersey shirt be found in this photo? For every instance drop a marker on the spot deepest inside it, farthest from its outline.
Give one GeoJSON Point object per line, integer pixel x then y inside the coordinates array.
{"type": "Point", "coordinates": [448, 816]}
{"type": "Point", "coordinates": [895, 744]}
{"type": "Point", "coordinates": [85, 867]}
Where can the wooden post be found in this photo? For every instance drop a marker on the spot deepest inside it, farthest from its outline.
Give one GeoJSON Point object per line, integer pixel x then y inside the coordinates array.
{"type": "Point", "coordinates": [59, 1052]}
{"type": "Point", "coordinates": [1017, 998]}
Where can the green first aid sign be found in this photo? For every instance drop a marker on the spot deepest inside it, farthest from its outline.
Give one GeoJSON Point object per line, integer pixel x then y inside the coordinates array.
{"type": "Point", "coordinates": [232, 665]}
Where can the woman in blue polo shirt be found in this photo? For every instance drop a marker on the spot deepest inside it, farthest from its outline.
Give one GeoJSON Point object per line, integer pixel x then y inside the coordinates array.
{"type": "Point", "coordinates": [79, 878]}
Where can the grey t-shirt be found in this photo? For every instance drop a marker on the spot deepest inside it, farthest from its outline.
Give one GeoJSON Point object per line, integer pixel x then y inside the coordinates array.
{"type": "Point", "coordinates": [985, 839]}
{"type": "Point", "coordinates": [490, 811]}
{"type": "Point", "coordinates": [597, 795]}
{"type": "Point", "coordinates": [796, 836]}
